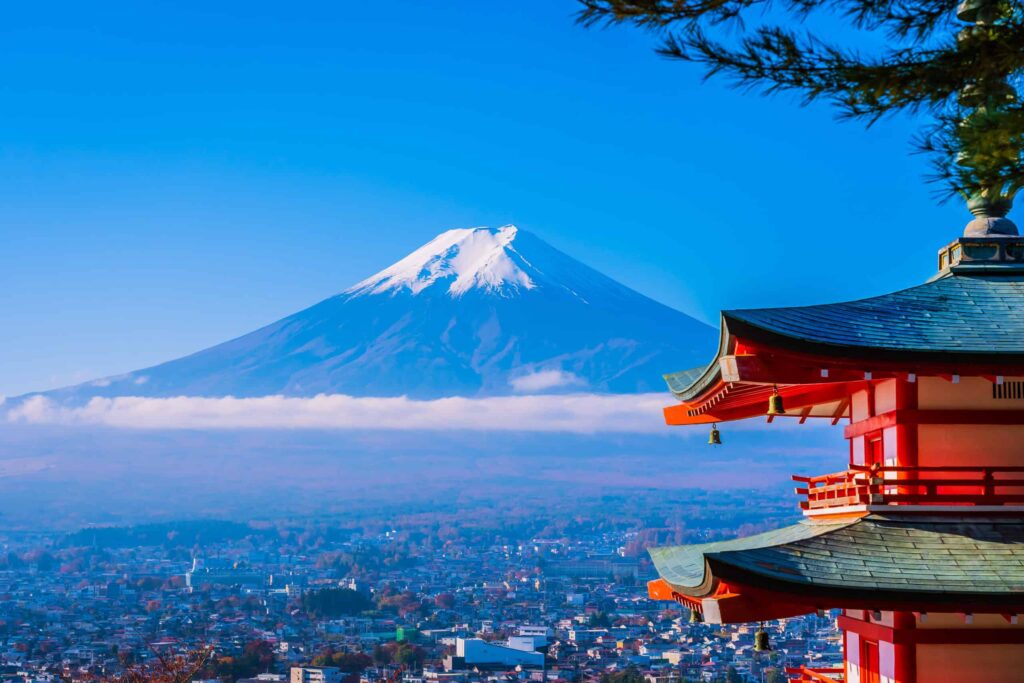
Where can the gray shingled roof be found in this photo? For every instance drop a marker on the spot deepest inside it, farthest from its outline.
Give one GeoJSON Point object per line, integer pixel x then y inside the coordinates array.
{"type": "Point", "coordinates": [679, 381]}
{"type": "Point", "coordinates": [952, 319]}
{"type": "Point", "coordinates": [960, 313]}
{"type": "Point", "coordinates": [886, 554]}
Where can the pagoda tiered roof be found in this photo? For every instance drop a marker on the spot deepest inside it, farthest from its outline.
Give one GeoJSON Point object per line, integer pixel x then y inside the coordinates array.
{"type": "Point", "coordinates": [870, 562]}
{"type": "Point", "coordinates": [892, 533]}
{"type": "Point", "coordinates": [971, 318]}
{"type": "Point", "coordinates": [958, 316]}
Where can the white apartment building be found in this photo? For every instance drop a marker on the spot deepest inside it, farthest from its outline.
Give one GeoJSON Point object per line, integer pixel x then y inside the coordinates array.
{"type": "Point", "coordinates": [316, 674]}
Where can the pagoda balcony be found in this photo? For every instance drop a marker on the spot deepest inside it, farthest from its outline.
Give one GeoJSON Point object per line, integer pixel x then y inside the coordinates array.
{"type": "Point", "coordinates": [881, 485]}
{"type": "Point", "coordinates": [803, 674]}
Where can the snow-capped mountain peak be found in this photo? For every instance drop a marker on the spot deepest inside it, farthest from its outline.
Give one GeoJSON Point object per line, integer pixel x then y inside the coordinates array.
{"type": "Point", "coordinates": [474, 312]}
{"type": "Point", "coordinates": [459, 260]}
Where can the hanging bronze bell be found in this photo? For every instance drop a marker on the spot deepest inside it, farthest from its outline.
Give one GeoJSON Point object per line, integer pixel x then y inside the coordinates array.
{"type": "Point", "coordinates": [761, 643]}
{"type": "Point", "coordinates": [775, 406]}
{"type": "Point", "coordinates": [971, 10]}
{"type": "Point", "coordinates": [695, 617]}
{"type": "Point", "coordinates": [715, 438]}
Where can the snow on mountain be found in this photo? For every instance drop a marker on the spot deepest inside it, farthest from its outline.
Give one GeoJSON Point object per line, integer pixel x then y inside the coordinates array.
{"type": "Point", "coordinates": [474, 312]}
{"type": "Point", "coordinates": [464, 259]}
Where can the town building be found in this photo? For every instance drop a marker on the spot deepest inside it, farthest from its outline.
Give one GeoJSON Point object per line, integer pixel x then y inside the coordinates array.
{"type": "Point", "coordinates": [475, 652]}
{"type": "Point", "coordinates": [316, 674]}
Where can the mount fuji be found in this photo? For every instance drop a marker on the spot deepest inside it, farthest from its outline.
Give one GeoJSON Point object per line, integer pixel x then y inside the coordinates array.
{"type": "Point", "coordinates": [474, 312]}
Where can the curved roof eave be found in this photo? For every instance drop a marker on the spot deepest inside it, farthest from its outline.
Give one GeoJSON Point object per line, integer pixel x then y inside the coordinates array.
{"type": "Point", "coordinates": [688, 566]}
{"type": "Point", "coordinates": [686, 384]}
{"type": "Point", "coordinates": [955, 319]}
{"type": "Point", "coordinates": [891, 555]}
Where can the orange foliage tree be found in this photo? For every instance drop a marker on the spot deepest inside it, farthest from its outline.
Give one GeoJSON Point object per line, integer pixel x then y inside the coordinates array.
{"type": "Point", "coordinates": [164, 667]}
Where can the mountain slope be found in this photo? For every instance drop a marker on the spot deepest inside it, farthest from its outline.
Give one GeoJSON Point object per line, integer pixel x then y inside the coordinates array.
{"type": "Point", "coordinates": [473, 312]}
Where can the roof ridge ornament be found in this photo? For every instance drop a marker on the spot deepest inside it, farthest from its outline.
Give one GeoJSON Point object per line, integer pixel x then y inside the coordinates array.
{"type": "Point", "coordinates": [990, 218]}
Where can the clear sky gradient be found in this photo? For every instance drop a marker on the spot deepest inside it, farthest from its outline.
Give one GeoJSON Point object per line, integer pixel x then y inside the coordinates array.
{"type": "Point", "coordinates": [173, 174]}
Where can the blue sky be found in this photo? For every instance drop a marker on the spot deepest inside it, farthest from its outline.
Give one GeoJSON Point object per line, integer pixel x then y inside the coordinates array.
{"type": "Point", "coordinates": [172, 174]}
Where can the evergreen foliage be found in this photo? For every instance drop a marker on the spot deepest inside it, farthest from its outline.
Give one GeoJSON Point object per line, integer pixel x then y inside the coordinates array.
{"type": "Point", "coordinates": [185, 533]}
{"type": "Point", "coordinates": [334, 602]}
{"type": "Point", "coordinates": [960, 64]}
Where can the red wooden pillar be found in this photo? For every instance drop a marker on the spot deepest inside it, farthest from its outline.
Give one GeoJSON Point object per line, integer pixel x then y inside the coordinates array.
{"type": "Point", "coordinates": [846, 654]}
{"type": "Point", "coordinates": [904, 653]}
{"type": "Point", "coordinates": [906, 434]}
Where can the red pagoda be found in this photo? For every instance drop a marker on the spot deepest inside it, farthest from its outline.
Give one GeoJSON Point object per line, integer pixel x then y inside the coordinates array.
{"type": "Point", "coordinates": [919, 541]}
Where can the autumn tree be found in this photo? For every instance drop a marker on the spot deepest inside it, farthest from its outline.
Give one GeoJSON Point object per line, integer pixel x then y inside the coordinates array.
{"type": "Point", "coordinates": [162, 667]}
{"type": "Point", "coordinates": [444, 600]}
{"type": "Point", "coordinates": [257, 657]}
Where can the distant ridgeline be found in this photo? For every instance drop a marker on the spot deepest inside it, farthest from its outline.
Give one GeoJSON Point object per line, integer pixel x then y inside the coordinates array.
{"type": "Point", "coordinates": [183, 533]}
{"type": "Point", "coordinates": [180, 533]}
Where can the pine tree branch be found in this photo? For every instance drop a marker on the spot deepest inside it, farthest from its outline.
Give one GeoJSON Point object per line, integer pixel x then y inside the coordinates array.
{"type": "Point", "coordinates": [966, 79]}
{"type": "Point", "coordinates": [915, 19]}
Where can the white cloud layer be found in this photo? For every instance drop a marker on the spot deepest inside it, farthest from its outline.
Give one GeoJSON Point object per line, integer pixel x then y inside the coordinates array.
{"type": "Point", "coordinates": [578, 413]}
{"type": "Point", "coordinates": [544, 380]}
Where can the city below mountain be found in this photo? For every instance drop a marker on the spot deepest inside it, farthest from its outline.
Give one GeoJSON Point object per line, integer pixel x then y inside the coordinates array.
{"type": "Point", "coordinates": [474, 312]}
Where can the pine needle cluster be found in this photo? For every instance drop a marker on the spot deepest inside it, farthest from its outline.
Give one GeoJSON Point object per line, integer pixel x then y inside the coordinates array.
{"type": "Point", "coordinates": [960, 64]}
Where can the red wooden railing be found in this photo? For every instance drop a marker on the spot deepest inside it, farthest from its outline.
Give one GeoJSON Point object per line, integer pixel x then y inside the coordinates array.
{"type": "Point", "coordinates": [893, 485]}
{"type": "Point", "coordinates": [804, 674]}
